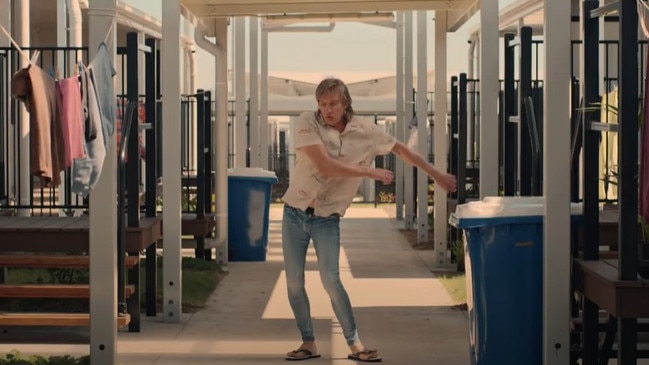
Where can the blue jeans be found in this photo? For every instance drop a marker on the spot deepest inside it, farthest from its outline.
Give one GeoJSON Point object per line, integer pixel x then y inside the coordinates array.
{"type": "Point", "coordinates": [298, 228]}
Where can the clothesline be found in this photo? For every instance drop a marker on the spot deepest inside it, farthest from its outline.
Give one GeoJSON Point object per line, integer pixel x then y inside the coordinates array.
{"type": "Point", "coordinates": [22, 53]}
{"type": "Point", "coordinates": [107, 41]}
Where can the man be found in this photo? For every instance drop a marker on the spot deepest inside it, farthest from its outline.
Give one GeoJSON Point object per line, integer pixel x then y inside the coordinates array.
{"type": "Point", "coordinates": [335, 150]}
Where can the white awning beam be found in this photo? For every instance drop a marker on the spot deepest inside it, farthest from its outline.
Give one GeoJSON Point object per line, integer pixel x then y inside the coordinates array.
{"type": "Point", "coordinates": [284, 19]}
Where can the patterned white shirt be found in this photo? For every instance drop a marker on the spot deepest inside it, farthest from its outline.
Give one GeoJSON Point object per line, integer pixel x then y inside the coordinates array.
{"type": "Point", "coordinates": [358, 144]}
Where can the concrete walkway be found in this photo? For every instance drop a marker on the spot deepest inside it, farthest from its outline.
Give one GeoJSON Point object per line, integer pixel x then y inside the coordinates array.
{"type": "Point", "coordinates": [401, 309]}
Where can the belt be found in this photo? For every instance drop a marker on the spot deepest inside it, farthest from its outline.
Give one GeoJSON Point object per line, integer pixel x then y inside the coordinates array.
{"type": "Point", "coordinates": [311, 211]}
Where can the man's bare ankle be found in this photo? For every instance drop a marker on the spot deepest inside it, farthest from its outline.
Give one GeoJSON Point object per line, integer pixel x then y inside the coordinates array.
{"type": "Point", "coordinates": [357, 347]}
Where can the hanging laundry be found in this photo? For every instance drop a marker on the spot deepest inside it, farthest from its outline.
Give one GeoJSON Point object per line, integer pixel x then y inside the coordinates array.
{"type": "Point", "coordinates": [102, 72]}
{"type": "Point", "coordinates": [36, 89]}
{"type": "Point", "coordinates": [608, 171]}
{"type": "Point", "coordinates": [87, 170]}
{"type": "Point", "coordinates": [69, 104]}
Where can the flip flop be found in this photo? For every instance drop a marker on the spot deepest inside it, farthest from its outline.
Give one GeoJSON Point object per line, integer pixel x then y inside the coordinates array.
{"type": "Point", "coordinates": [365, 356]}
{"type": "Point", "coordinates": [301, 354]}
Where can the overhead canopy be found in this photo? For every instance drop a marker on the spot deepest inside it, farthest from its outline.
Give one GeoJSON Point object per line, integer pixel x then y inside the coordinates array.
{"type": "Point", "coordinates": [520, 13]}
{"type": "Point", "coordinates": [207, 10]}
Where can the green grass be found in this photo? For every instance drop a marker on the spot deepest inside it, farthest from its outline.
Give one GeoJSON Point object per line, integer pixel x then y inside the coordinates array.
{"type": "Point", "coordinates": [455, 285]}
{"type": "Point", "coordinates": [200, 279]}
{"type": "Point", "coordinates": [15, 358]}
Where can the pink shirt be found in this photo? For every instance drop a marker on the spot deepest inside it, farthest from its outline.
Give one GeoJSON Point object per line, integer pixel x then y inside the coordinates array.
{"type": "Point", "coordinates": [69, 102]}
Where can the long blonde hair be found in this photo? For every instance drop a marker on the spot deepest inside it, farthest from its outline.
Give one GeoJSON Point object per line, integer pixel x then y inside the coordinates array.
{"type": "Point", "coordinates": [332, 84]}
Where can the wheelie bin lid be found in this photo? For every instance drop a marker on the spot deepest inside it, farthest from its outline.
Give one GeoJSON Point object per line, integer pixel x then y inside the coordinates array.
{"type": "Point", "coordinates": [499, 210]}
{"type": "Point", "coordinates": [253, 173]}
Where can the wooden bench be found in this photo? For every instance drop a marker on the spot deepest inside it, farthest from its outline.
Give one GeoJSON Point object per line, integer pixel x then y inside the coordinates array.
{"type": "Point", "coordinates": [57, 261]}
{"type": "Point", "coordinates": [68, 234]}
{"type": "Point", "coordinates": [53, 319]}
{"type": "Point", "coordinates": [192, 225]}
{"type": "Point", "coordinates": [59, 291]}
{"type": "Point", "coordinates": [598, 281]}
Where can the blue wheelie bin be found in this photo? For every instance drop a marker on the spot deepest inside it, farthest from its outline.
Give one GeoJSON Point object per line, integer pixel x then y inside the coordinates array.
{"type": "Point", "coordinates": [249, 193]}
{"type": "Point", "coordinates": [503, 245]}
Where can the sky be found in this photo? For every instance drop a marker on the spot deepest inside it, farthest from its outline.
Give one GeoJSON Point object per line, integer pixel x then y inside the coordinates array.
{"type": "Point", "coordinates": [352, 51]}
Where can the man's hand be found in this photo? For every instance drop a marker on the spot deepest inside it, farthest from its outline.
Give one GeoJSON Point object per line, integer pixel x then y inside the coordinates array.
{"type": "Point", "coordinates": [447, 182]}
{"type": "Point", "coordinates": [385, 176]}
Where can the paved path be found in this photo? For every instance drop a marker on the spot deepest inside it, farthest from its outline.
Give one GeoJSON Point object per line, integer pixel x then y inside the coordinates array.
{"type": "Point", "coordinates": [401, 309]}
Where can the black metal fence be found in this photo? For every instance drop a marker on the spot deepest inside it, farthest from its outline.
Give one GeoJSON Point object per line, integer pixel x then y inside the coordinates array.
{"type": "Point", "coordinates": [521, 114]}
{"type": "Point", "coordinates": [60, 62]}
{"type": "Point", "coordinates": [196, 155]}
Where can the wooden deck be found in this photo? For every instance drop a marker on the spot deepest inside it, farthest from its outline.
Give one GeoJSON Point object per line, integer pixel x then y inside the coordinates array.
{"type": "Point", "coordinates": [598, 281]}
{"type": "Point", "coordinates": [192, 225]}
{"type": "Point", "coordinates": [47, 235]}
{"type": "Point", "coordinates": [68, 234]}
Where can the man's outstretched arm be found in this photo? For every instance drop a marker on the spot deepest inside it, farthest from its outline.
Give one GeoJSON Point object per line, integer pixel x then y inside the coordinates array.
{"type": "Point", "coordinates": [445, 181]}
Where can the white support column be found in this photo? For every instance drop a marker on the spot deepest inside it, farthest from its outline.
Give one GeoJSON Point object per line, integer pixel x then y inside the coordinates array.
{"type": "Point", "coordinates": [556, 177]}
{"type": "Point", "coordinates": [22, 37]}
{"type": "Point", "coordinates": [172, 269]}
{"type": "Point", "coordinates": [290, 141]}
{"type": "Point", "coordinates": [422, 124]}
{"type": "Point", "coordinates": [220, 138]}
{"type": "Point", "coordinates": [103, 218]}
{"type": "Point", "coordinates": [489, 56]}
{"type": "Point", "coordinates": [5, 20]}
{"type": "Point", "coordinates": [61, 34]}
{"type": "Point", "coordinates": [290, 134]}
{"type": "Point", "coordinates": [254, 93]}
{"type": "Point", "coordinates": [400, 125]}
{"type": "Point", "coordinates": [240, 132]}
{"type": "Point", "coordinates": [408, 175]}
{"type": "Point", "coordinates": [471, 89]}
{"type": "Point", "coordinates": [185, 88]}
{"type": "Point", "coordinates": [441, 137]}
{"type": "Point", "coordinates": [264, 136]}
{"type": "Point", "coordinates": [188, 58]}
